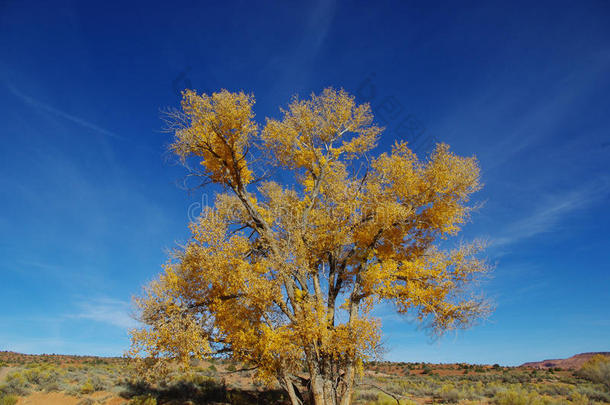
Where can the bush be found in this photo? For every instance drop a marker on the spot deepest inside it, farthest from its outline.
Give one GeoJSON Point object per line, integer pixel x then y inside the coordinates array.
{"type": "Point", "coordinates": [50, 386]}
{"type": "Point", "coordinates": [15, 383]}
{"type": "Point", "coordinates": [579, 399]}
{"type": "Point", "coordinates": [449, 394]}
{"type": "Point", "coordinates": [593, 394]}
{"type": "Point", "coordinates": [367, 396]}
{"type": "Point", "coordinates": [383, 399]}
{"type": "Point", "coordinates": [522, 398]}
{"type": "Point", "coordinates": [98, 383]}
{"type": "Point", "coordinates": [555, 389]}
{"type": "Point", "coordinates": [143, 400]}
{"type": "Point", "coordinates": [597, 369]}
{"type": "Point", "coordinates": [87, 388]}
{"type": "Point", "coordinates": [8, 399]}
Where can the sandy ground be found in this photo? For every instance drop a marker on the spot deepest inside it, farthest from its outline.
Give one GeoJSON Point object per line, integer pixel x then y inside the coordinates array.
{"type": "Point", "coordinates": [59, 398]}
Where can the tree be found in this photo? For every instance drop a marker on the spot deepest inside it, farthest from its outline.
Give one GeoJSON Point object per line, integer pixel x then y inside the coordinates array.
{"type": "Point", "coordinates": [283, 277]}
{"type": "Point", "coordinates": [597, 369]}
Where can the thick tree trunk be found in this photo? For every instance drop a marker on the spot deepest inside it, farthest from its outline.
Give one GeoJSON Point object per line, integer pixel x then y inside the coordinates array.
{"type": "Point", "coordinates": [327, 390]}
{"type": "Point", "coordinates": [317, 390]}
{"type": "Point", "coordinates": [348, 380]}
{"type": "Point", "coordinates": [322, 392]}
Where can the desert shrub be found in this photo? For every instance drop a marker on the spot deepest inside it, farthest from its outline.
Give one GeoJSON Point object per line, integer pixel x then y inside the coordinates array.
{"type": "Point", "coordinates": [577, 398]}
{"type": "Point", "coordinates": [231, 367]}
{"type": "Point", "coordinates": [523, 398]}
{"type": "Point", "coordinates": [143, 400]}
{"type": "Point", "coordinates": [87, 387]}
{"type": "Point", "coordinates": [555, 389]}
{"type": "Point", "coordinates": [50, 386]}
{"type": "Point", "coordinates": [597, 369]}
{"type": "Point", "coordinates": [383, 399]}
{"type": "Point", "coordinates": [15, 383]}
{"type": "Point", "coordinates": [492, 389]}
{"type": "Point", "coordinates": [8, 399]}
{"type": "Point", "coordinates": [366, 396]}
{"type": "Point", "coordinates": [449, 394]}
{"type": "Point", "coordinates": [594, 394]}
{"type": "Point", "coordinates": [98, 383]}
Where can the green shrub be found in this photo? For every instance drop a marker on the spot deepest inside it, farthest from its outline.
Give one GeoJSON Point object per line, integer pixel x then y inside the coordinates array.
{"type": "Point", "coordinates": [143, 400]}
{"type": "Point", "coordinates": [98, 383]}
{"type": "Point", "coordinates": [87, 388]}
{"type": "Point", "coordinates": [8, 399]}
{"type": "Point", "coordinates": [383, 399]}
{"type": "Point", "coordinates": [50, 386]}
{"type": "Point", "coordinates": [449, 394]}
{"type": "Point", "coordinates": [577, 398]}
{"type": "Point", "coordinates": [594, 394]}
{"type": "Point", "coordinates": [522, 398]}
{"type": "Point", "coordinates": [367, 396]}
{"type": "Point", "coordinates": [15, 383]}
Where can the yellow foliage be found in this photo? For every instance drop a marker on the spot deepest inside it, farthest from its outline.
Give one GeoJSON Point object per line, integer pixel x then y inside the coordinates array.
{"type": "Point", "coordinates": [283, 276]}
{"type": "Point", "coordinates": [597, 369]}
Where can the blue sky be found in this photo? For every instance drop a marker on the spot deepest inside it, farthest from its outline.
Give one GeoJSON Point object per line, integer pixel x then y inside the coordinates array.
{"type": "Point", "coordinates": [90, 202]}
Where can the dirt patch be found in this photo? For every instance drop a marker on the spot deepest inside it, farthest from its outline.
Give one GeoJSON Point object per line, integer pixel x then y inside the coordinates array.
{"type": "Point", "coordinates": [48, 398]}
{"type": "Point", "coordinates": [60, 398]}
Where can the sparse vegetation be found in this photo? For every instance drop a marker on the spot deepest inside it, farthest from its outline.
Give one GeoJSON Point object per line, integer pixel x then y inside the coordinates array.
{"type": "Point", "coordinates": [597, 370]}
{"type": "Point", "coordinates": [8, 399]}
{"type": "Point", "coordinates": [97, 381]}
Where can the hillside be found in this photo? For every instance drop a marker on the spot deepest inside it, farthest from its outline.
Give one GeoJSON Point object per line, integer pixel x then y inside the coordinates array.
{"type": "Point", "coordinates": [574, 362]}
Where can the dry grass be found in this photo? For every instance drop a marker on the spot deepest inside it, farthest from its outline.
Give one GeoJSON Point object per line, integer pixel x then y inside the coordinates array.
{"type": "Point", "coordinates": [90, 380]}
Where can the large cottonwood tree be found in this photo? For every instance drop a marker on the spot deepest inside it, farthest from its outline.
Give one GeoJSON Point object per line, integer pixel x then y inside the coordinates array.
{"type": "Point", "coordinates": [283, 276]}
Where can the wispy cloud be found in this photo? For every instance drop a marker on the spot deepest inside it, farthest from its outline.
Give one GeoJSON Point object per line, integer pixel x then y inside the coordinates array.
{"type": "Point", "coordinates": [552, 210]}
{"type": "Point", "coordinates": [107, 310]}
{"type": "Point", "coordinates": [77, 120]}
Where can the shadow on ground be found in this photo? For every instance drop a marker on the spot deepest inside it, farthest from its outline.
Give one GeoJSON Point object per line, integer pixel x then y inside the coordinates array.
{"type": "Point", "coordinates": [202, 392]}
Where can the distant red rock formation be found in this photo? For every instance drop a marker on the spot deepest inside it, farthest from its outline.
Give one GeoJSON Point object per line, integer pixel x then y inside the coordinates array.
{"type": "Point", "coordinates": [574, 362]}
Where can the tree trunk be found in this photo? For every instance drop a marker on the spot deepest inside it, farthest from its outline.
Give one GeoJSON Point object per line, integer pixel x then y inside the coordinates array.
{"type": "Point", "coordinates": [290, 388]}
{"type": "Point", "coordinates": [348, 380]}
{"type": "Point", "coordinates": [331, 391]}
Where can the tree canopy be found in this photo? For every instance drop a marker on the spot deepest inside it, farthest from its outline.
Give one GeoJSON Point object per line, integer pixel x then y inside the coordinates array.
{"type": "Point", "coordinates": [283, 275]}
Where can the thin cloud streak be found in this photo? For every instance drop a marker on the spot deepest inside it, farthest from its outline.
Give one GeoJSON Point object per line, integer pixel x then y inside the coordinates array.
{"type": "Point", "coordinates": [107, 310]}
{"type": "Point", "coordinates": [77, 120]}
{"type": "Point", "coordinates": [547, 218]}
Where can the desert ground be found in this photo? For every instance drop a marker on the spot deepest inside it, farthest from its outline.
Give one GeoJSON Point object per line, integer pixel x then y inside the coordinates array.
{"type": "Point", "coordinates": [78, 380]}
